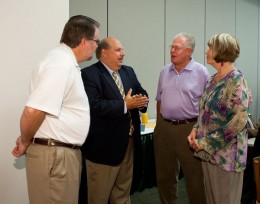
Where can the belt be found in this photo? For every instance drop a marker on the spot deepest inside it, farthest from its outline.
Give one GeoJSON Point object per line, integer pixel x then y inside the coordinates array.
{"type": "Point", "coordinates": [178, 122]}
{"type": "Point", "coordinates": [52, 142]}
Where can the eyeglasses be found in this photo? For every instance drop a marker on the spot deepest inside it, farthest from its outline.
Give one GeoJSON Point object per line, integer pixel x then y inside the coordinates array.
{"type": "Point", "coordinates": [176, 48]}
{"type": "Point", "coordinates": [96, 41]}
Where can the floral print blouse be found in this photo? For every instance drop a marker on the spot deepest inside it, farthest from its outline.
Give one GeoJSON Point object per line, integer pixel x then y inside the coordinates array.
{"type": "Point", "coordinates": [221, 127]}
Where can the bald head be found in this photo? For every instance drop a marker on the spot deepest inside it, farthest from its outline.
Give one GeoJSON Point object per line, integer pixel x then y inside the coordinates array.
{"type": "Point", "coordinates": [110, 52]}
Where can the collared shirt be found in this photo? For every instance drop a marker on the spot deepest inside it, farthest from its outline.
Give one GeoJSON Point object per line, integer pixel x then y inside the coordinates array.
{"type": "Point", "coordinates": [179, 93]}
{"type": "Point", "coordinates": [222, 131]}
{"type": "Point", "coordinates": [119, 78]}
{"type": "Point", "coordinates": [111, 72]}
{"type": "Point", "coordinates": [57, 89]}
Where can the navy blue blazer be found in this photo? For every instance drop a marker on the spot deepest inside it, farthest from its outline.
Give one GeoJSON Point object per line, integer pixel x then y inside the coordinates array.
{"type": "Point", "coordinates": [109, 127]}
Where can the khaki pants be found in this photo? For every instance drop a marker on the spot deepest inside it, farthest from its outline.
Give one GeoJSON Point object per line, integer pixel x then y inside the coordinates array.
{"type": "Point", "coordinates": [111, 183]}
{"type": "Point", "coordinates": [53, 174]}
{"type": "Point", "coordinates": [222, 187]}
{"type": "Point", "coordinates": [171, 151]}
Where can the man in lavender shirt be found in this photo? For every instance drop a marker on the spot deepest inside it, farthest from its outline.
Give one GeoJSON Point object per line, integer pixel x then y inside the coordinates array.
{"type": "Point", "coordinates": [180, 87]}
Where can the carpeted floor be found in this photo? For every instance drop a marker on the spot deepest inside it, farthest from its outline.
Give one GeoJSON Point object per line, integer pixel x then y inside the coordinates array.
{"type": "Point", "coordinates": [150, 195]}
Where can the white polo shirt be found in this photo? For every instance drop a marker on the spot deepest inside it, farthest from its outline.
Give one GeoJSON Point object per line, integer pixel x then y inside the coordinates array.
{"type": "Point", "coordinates": [57, 89]}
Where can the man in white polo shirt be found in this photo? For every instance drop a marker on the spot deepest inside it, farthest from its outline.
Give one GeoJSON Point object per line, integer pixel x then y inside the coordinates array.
{"type": "Point", "coordinates": [56, 118]}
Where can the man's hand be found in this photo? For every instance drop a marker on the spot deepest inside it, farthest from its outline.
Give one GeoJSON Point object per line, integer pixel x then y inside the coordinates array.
{"type": "Point", "coordinates": [19, 148]}
{"type": "Point", "coordinates": [30, 122]}
{"type": "Point", "coordinates": [135, 101]}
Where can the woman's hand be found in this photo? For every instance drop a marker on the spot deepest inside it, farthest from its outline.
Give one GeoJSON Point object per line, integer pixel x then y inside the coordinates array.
{"type": "Point", "coordinates": [196, 145]}
{"type": "Point", "coordinates": [192, 136]}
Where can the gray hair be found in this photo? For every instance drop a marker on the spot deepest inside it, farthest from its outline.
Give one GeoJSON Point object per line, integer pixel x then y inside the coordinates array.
{"type": "Point", "coordinates": [189, 39]}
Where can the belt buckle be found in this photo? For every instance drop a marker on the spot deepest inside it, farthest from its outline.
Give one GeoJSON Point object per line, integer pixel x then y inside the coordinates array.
{"type": "Point", "coordinates": [176, 122]}
{"type": "Point", "coordinates": [51, 142]}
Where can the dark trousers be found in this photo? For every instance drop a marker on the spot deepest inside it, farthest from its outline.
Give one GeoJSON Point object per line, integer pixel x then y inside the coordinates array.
{"type": "Point", "coordinates": [172, 151]}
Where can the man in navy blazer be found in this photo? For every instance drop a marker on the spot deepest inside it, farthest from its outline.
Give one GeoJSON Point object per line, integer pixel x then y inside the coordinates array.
{"type": "Point", "coordinates": [115, 124]}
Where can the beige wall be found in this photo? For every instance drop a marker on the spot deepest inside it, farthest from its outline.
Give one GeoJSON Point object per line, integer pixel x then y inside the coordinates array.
{"type": "Point", "coordinates": [147, 27]}
{"type": "Point", "coordinates": [28, 30]}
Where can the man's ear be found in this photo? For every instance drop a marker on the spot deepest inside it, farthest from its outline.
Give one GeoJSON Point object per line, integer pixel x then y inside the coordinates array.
{"type": "Point", "coordinates": [104, 53]}
{"type": "Point", "coordinates": [189, 50]}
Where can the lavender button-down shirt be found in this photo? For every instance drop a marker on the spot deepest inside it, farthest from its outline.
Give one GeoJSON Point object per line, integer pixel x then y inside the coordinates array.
{"type": "Point", "coordinates": [179, 93]}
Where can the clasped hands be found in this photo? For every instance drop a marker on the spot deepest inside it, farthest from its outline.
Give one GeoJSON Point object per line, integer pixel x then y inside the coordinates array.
{"type": "Point", "coordinates": [193, 142]}
{"type": "Point", "coordinates": [135, 101]}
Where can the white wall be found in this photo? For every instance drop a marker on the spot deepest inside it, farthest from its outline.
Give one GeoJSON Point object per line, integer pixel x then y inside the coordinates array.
{"type": "Point", "coordinates": [96, 9]}
{"type": "Point", "coordinates": [247, 30]}
{"type": "Point", "coordinates": [147, 27]}
{"type": "Point", "coordinates": [28, 30]}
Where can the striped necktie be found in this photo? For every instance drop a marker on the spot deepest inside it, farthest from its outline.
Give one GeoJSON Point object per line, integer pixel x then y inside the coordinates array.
{"type": "Point", "coordinates": [119, 84]}
{"type": "Point", "coordinates": [122, 92]}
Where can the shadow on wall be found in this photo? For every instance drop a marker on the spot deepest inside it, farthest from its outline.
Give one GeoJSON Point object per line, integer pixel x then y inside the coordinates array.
{"type": "Point", "coordinates": [19, 163]}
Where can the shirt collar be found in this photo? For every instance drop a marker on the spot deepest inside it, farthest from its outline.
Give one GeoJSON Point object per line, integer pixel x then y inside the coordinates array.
{"type": "Point", "coordinates": [189, 66]}
{"type": "Point", "coordinates": [108, 69]}
{"type": "Point", "coordinates": [70, 52]}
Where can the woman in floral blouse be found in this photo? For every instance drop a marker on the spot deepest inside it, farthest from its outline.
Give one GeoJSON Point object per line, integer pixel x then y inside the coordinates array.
{"type": "Point", "coordinates": [220, 136]}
